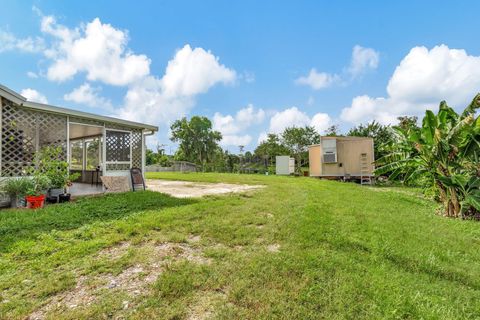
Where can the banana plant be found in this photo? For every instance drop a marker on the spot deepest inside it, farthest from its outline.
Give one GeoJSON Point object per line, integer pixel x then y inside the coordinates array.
{"type": "Point", "coordinates": [443, 152]}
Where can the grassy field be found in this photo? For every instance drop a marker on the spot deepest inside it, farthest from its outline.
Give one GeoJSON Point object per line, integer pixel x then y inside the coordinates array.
{"type": "Point", "coordinates": [299, 248]}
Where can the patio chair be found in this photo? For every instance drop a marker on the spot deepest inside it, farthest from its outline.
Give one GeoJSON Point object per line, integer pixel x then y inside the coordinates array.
{"type": "Point", "coordinates": [137, 179]}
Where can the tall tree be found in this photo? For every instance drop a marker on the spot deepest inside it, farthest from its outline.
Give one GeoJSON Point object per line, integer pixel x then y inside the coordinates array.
{"type": "Point", "coordinates": [332, 131]}
{"type": "Point", "coordinates": [197, 141]}
{"type": "Point", "coordinates": [297, 141]}
{"type": "Point", "coordinates": [407, 122]}
{"type": "Point", "coordinates": [270, 148]}
{"type": "Point", "coordinates": [382, 135]}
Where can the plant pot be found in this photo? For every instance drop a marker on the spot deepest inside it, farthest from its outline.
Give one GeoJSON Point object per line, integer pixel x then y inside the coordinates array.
{"type": "Point", "coordinates": [16, 202]}
{"type": "Point", "coordinates": [51, 200]}
{"type": "Point", "coordinates": [35, 202]}
{"type": "Point", "coordinates": [4, 200]}
{"type": "Point", "coordinates": [55, 192]}
{"type": "Point", "coordinates": [64, 197]}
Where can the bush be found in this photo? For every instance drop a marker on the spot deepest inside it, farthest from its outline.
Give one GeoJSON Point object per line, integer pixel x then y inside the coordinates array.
{"type": "Point", "coordinates": [17, 187]}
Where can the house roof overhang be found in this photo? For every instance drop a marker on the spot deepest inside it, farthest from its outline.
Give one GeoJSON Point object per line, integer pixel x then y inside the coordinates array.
{"type": "Point", "coordinates": [20, 100]}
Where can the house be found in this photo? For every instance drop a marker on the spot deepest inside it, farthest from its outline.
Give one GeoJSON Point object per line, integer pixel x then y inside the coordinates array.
{"type": "Point", "coordinates": [342, 158]}
{"type": "Point", "coordinates": [93, 145]}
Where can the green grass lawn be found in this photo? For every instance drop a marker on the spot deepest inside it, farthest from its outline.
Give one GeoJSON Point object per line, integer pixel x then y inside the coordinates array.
{"type": "Point", "coordinates": [300, 248]}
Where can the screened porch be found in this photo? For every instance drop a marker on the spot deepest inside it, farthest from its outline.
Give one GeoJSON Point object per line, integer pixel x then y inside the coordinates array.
{"type": "Point", "coordinates": [93, 145]}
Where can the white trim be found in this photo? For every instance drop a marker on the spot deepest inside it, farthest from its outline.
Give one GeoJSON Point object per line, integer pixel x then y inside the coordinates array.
{"type": "Point", "coordinates": [143, 155]}
{"type": "Point", "coordinates": [131, 154]}
{"type": "Point", "coordinates": [118, 130]}
{"type": "Point", "coordinates": [11, 95]}
{"type": "Point", "coordinates": [104, 151]}
{"type": "Point", "coordinates": [68, 142]}
{"type": "Point", "coordinates": [22, 101]}
{"type": "Point", "coordinates": [86, 124]}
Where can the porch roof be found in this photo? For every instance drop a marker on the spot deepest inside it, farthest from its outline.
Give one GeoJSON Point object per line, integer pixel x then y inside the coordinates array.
{"type": "Point", "coordinates": [20, 100]}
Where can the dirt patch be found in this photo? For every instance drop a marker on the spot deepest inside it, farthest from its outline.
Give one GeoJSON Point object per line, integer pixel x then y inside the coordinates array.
{"type": "Point", "coordinates": [273, 248]}
{"type": "Point", "coordinates": [134, 280]}
{"type": "Point", "coordinates": [186, 189]}
{"type": "Point", "coordinates": [203, 307]}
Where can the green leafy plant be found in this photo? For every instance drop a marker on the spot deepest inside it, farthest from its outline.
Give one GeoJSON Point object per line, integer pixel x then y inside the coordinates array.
{"type": "Point", "coordinates": [16, 188]}
{"type": "Point", "coordinates": [39, 185]}
{"type": "Point", "coordinates": [442, 153]}
{"type": "Point", "coordinates": [48, 162]}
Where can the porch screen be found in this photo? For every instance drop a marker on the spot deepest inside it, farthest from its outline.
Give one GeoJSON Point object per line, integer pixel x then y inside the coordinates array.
{"type": "Point", "coordinates": [24, 132]}
{"type": "Point", "coordinates": [118, 150]}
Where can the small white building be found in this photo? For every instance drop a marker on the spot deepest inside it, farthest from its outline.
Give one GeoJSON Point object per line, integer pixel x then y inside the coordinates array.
{"type": "Point", "coordinates": [285, 165]}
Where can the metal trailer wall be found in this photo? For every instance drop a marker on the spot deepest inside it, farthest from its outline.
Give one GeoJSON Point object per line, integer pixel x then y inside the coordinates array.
{"type": "Point", "coordinates": [349, 151]}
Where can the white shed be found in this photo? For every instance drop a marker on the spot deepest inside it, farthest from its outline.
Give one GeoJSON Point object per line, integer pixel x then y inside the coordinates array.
{"type": "Point", "coordinates": [285, 165]}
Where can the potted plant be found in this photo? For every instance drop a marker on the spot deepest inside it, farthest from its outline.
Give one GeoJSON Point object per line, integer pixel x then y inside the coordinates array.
{"type": "Point", "coordinates": [39, 184]}
{"type": "Point", "coordinates": [16, 188]}
{"type": "Point", "coordinates": [48, 162]}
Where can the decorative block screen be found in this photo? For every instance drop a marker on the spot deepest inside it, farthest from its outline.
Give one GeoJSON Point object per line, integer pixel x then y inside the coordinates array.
{"type": "Point", "coordinates": [118, 146]}
{"type": "Point", "coordinates": [24, 132]}
{"type": "Point", "coordinates": [137, 149]}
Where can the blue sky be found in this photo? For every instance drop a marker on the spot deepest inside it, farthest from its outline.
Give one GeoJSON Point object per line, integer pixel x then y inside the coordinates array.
{"type": "Point", "coordinates": [251, 66]}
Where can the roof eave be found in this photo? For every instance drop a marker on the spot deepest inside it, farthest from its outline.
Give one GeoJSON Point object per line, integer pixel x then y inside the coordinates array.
{"type": "Point", "coordinates": [81, 114]}
{"type": "Point", "coordinates": [11, 95]}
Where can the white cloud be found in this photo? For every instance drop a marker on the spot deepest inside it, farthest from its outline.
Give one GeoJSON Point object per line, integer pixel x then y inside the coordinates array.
{"type": "Point", "coordinates": [191, 72]}
{"type": "Point", "coordinates": [248, 76]}
{"type": "Point", "coordinates": [293, 117]}
{"type": "Point", "coordinates": [32, 75]}
{"type": "Point", "coordinates": [318, 80]}
{"type": "Point", "coordinates": [34, 95]}
{"type": "Point", "coordinates": [321, 121]}
{"type": "Point", "coordinates": [99, 52]}
{"type": "Point", "coordinates": [263, 136]}
{"type": "Point", "coordinates": [87, 95]}
{"type": "Point", "coordinates": [422, 79]}
{"type": "Point", "coordinates": [236, 140]}
{"type": "Point", "coordinates": [9, 42]}
{"type": "Point", "coordinates": [97, 49]}
{"type": "Point", "coordinates": [362, 60]}
{"type": "Point", "coordinates": [231, 127]}
{"type": "Point", "coordinates": [288, 118]}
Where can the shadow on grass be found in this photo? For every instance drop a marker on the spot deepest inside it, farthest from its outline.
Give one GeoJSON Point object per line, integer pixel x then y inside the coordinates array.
{"type": "Point", "coordinates": [24, 224]}
{"type": "Point", "coordinates": [411, 265]}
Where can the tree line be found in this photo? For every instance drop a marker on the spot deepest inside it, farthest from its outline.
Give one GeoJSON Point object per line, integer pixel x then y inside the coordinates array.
{"type": "Point", "coordinates": [199, 143]}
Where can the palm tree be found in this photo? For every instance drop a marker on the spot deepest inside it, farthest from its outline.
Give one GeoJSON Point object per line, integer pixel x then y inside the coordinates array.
{"type": "Point", "coordinates": [444, 153]}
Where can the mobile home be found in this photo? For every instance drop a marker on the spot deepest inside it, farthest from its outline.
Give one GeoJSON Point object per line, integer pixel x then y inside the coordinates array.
{"type": "Point", "coordinates": [342, 158]}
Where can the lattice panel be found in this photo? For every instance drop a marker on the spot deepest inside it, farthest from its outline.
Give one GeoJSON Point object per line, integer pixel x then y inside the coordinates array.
{"type": "Point", "coordinates": [118, 146]}
{"type": "Point", "coordinates": [18, 139]}
{"type": "Point", "coordinates": [137, 149]}
{"type": "Point", "coordinates": [24, 132]}
{"type": "Point", "coordinates": [118, 166]}
{"type": "Point", "coordinates": [53, 131]}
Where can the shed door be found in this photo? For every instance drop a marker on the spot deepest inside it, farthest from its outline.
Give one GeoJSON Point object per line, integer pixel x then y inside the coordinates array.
{"type": "Point", "coordinates": [118, 150]}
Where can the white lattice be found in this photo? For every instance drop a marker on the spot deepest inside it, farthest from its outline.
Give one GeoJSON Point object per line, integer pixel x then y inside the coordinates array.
{"type": "Point", "coordinates": [24, 132]}
{"type": "Point", "coordinates": [137, 149]}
